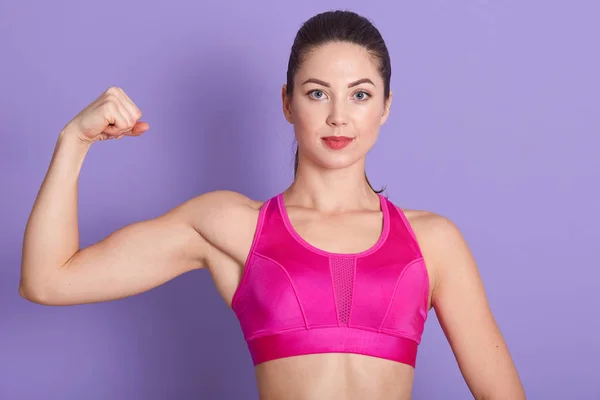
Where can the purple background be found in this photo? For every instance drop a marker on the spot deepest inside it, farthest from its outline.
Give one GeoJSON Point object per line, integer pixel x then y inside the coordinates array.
{"type": "Point", "coordinates": [494, 125]}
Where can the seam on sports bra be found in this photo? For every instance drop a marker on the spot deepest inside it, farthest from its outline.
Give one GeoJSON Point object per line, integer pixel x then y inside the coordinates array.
{"type": "Point", "coordinates": [408, 227]}
{"type": "Point", "coordinates": [414, 237]}
{"type": "Point", "coordinates": [403, 334]}
{"type": "Point", "coordinates": [409, 265]}
{"type": "Point", "coordinates": [427, 287]}
{"type": "Point", "coordinates": [335, 299]}
{"type": "Point", "coordinates": [386, 332]}
{"type": "Point", "coordinates": [268, 332]}
{"type": "Point", "coordinates": [257, 232]}
{"type": "Point", "coordinates": [291, 283]}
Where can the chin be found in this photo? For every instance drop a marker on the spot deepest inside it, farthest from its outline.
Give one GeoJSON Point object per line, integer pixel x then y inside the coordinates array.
{"type": "Point", "coordinates": [338, 161]}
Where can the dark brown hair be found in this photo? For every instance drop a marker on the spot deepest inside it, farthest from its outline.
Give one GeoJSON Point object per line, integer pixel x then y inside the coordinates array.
{"type": "Point", "coordinates": [338, 26]}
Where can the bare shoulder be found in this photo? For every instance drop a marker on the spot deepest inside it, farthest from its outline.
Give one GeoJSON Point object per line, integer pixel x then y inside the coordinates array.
{"type": "Point", "coordinates": [431, 227]}
{"type": "Point", "coordinates": [219, 206]}
{"type": "Point", "coordinates": [439, 239]}
{"type": "Point", "coordinates": [223, 200]}
{"type": "Point", "coordinates": [225, 219]}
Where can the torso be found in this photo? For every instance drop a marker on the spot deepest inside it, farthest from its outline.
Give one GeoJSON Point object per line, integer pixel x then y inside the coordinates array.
{"type": "Point", "coordinates": [319, 376]}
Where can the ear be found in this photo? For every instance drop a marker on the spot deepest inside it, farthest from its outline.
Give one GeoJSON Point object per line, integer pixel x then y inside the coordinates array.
{"type": "Point", "coordinates": [286, 103]}
{"type": "Point", "coordinates": [386, 109]}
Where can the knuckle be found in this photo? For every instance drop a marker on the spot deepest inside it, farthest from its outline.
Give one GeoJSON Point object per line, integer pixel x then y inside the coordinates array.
{"type": "Point", "coordinates": [110, 97]}
{"type": "Point", "coordinates": [112, 90]}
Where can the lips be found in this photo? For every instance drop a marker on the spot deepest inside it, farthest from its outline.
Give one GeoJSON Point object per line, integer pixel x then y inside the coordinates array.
{"type": "Point", "coordinates": [337, 142]}
{"type": "Point", "coordinates": [338, 138]}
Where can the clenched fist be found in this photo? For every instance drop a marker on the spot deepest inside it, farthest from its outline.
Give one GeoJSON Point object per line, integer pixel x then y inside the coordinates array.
{"type": "Point", "coordinates": [112, 115]}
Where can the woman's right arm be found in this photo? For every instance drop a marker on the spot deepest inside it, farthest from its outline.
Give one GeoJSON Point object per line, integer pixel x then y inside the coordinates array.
{"type": "Point", "coordinates": [131, 260]}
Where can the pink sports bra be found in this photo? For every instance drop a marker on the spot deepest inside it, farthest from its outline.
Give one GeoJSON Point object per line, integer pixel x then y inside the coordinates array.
{"type": "Point", "coordinates": [296, 299]}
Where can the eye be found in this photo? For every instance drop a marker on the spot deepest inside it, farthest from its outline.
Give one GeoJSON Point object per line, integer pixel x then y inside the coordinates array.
{"type": "Point", "coordinates": [361, 95]}
{"type": "Point", "coordinates": [316, 94]}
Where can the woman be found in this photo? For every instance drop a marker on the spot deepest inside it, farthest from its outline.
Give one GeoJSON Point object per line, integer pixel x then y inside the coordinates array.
{"type": "Point", "coordinates": [330, 281]}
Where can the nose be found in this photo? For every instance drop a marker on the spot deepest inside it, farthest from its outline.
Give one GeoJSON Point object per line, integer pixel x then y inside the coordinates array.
{"type": "Point", "coordinates": [337, 114]}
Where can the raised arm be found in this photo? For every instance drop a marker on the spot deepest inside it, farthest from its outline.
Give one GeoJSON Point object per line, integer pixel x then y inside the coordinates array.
{"type": "Point", "coordinates": [133, 259]}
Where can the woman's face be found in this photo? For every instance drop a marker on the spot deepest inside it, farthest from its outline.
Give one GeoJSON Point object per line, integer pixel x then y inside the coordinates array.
{"type": "Point", "coordinates": [337, 106]}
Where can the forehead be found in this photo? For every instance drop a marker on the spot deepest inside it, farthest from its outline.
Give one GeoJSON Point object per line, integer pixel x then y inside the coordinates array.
{"type": "Point", "coordinates": [339, 61]}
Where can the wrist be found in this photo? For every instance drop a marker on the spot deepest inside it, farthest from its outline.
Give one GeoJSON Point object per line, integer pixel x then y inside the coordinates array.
{"type": "Point", "coordinates": [70, 136]}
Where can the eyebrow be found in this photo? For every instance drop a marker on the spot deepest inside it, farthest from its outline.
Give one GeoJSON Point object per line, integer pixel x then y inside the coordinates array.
{"type": "Point", "coordinates": [351, 84]}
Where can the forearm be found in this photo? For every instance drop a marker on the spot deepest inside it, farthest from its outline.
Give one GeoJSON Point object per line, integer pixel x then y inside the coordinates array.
{"type": "Point", "coordinates": [51, 234]}
{"type": "Point", "coordinates": [505, 384]}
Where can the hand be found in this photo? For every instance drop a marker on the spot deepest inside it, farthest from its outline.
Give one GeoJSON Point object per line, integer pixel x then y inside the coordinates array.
{"type": "Point", "coordinates": [111, 116]}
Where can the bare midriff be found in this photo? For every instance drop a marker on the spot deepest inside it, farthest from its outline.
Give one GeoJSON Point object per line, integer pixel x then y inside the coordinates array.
{"type": "Point", "coordinates": [334, 376]}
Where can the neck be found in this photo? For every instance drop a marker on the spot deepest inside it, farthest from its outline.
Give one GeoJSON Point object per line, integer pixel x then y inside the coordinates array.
{"type": "Point", "coordinates": [332, 190]}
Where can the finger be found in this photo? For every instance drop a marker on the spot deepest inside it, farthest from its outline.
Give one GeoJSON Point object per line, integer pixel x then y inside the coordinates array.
{"type": "Point", "coordinates": [112, 131]}
{"type": "Point", "coordinates": [139, 128]}
{"type": "Point", "coordinates": [126, 110]}
{"type": "Point", "coordinates": [131, 107]}
{"type": "Point", "coordinates": [117, 118]}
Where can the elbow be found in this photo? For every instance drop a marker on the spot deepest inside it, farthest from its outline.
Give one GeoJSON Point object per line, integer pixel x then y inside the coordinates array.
{"type": "Point", "coordinates": [28, 294]}
{"type": "Point", "coordinates": [35, 295]}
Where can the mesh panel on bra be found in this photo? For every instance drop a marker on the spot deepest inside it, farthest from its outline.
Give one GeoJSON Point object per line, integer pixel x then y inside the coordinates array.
{"type": "Point", "coordinates": [342, 274]}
